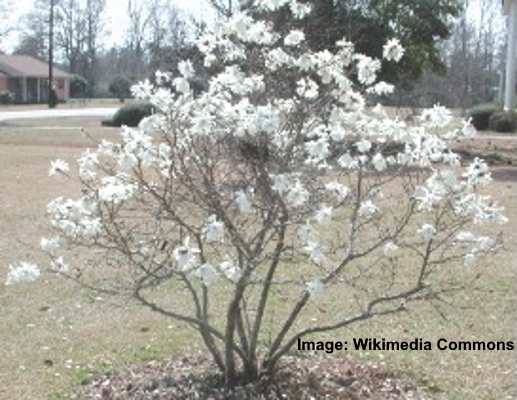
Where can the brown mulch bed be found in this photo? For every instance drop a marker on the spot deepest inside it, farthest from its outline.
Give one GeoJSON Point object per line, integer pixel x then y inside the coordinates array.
{"type": "Point", "coordinates": [193, 377]}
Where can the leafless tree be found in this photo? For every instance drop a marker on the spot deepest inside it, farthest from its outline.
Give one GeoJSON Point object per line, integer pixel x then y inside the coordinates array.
{"type": "Point", "coordinates": [5, 8]}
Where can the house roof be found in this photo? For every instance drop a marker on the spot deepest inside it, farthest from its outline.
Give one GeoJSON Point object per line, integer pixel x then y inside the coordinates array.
{"type": "Point", "coordinates": [19, 66]}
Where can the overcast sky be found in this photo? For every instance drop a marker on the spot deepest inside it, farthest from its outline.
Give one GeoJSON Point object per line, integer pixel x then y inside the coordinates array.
{"type": "Point", "coordinates": [116, 11]}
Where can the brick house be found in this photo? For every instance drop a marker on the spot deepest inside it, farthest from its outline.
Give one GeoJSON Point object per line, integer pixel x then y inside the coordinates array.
{"type": "Point", "coordinates": [27, 79]}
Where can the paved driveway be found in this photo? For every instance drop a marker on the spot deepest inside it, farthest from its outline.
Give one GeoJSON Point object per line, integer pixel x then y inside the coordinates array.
{"type": "Point", "coordinates": [38, 114]}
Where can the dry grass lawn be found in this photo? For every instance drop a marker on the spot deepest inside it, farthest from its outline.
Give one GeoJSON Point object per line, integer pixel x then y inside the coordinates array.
{"type": "Point", "coordinates": [53, 334]}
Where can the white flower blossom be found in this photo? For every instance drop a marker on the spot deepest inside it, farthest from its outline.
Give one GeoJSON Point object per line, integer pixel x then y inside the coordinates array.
{"type": "Point", "coordinates": [315, 252]}
{"type": "Point", "coordinates": [323, 215]}
{"type": "Point", "coordinates": [294, 38]}
{"type": "Point", "coordinates": [390, 248]}
{"type": "Point", "coordinates": [367, 209]}
{"type": "Point", "coordinates": [381, 89]}
{"type": "Point", "coordinates": [186, 69]}
{"type": "Point", "coordinates": [346, 161]}
{"type": "Point", "coordinates": [182, 85]}
{"type": "Point", "coordinates": [367, 69]}
{"type": "Point", "coordinates": [477, 173]}
{"type": "Point", "coordinates": [50, 246]}
{"type": "Point", "coordinates": [23, 272]}
{"type": "Point", "coordinates": [231, 271]}
{"type": "Point", "coordinates": [379, 162]}
{"type": "Point", "coordinates": [162, 77]}
{"type": "Point", "coordinates": [59, 265]}
{"type": "Point", "coordinates": [116, 189]}
{"type": "Point", "coordinates": [208, 274]}
{"type": "Point", "coordinates": [87, 165]}
{"type": "Point", "coordinates": [306, 233]}
{"type": "Point", "coordinates": [339, 190]}
{"type": "Point", "coordinates": [213, 230]}
{"type": "Point", "coordinates": [186, 256]}
{"type": "Point", "coordinates": [243, 201]}
{"type": "Point", "coordinates": [58, 166]}
{"type": "Point", "coordinates": [427, 231]}
{"type": "Point", "coordinates": [468, 130]}
{"type": "Point", "coordinates": [393, 50]}
{"type": "Point", "coordinates": [437, 117]}
{"type": "Point", "coordinates": [464, 236]}
{"type": "Point", "coordinates": [363, 146]}
{"type": "Point", "coordinates": [315, 288]}
{"type": "Point", "coordinates": [307, 88]}
{"type": "Point", "coordinates": [297, 195]}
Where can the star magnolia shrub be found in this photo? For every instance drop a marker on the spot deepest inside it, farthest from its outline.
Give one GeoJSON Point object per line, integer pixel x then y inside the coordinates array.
{"type": "Point", "coordinates": [333, 202]}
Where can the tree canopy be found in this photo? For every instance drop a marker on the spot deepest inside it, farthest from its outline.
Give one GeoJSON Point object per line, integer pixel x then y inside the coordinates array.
{"type": "Point", "coordinates": [420, 25]}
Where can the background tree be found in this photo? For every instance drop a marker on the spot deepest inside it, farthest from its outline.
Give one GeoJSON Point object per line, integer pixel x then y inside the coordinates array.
{"type": "Point", "coordinates": [420, 26]}
{"type": "Point", "coordinates": [34, 31]}
{"type": "Point", "coordinates": [121, 88]}
{"type": "Point", "coordinates": [5, 9]}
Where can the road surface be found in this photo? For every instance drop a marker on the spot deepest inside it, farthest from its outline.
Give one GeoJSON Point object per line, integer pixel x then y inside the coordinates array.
{"type": "Point", "coordinates": [38, 114]}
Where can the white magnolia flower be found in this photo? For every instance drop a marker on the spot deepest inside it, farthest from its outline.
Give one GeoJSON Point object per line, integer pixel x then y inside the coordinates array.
{"type": "Point", "coordinates": [318, 149]}
{"type": "Point", "coordinates": [243, 201]}
{"type": "Point", "coordinates": [115, 189]}
{"type": "Point", "coordinates": [306, 233]}
{"type": "Point", "coordinates": [50, 246]}
{"type": "Point", "coordinates": [427, 231]}
{"type": "Point", "coordinates": [24, 272]}
{"type": "Point", "coordinates": [294, 38]}
{"type": "Point", "coordinates": [478, 173]}
{"type": "Point", "coordinates": [485, 244]}
{"type": "Point", "coordinates": [339, 190]}
{"type": "Point", "coordinates": [298, 9]}
{"type": "Point", "coordinates": [381, 89]}
{"type": "Point", "coordinates": [367, 209]}
{"type": "Point", "coordinates": [427, 198]}
{"type": "Point", "coordinates": [182, 85]}
{"type": "Point", "coordinates": [315, 288]}
{"type": "Point", "coordinates": [315, 252]}
{"type": "Point", "coordinates": [186, 256]}
{"type": "Point", "coordinates": [162, 77]}
{"type": "Point", "coordinates": [468, 130]}
{"type": "Point", "coordinates": [186, 69]}
{"type": "Point", "coordinates": [393, 50]}
{"type": "Point", "coordinates": [379, 162]}
{"type": "Point", "coordinates": [390, 248]}
{"type": "Point", "coordinates": [281, 183]}
{"type": "Point", "coordinates": [142, 90]}
{"type": "Point", "coordinates": [59, 265]}
{"type": "Point", "coordinates": [367, 69]}
{"type": "Point", "coordinates": [298, 195]}
{"type": "Point", "coordinates": [307, 88]}
{"type": "Point", "coordinates": [87, 165]}
{"type": "Point", "coordinates": [323, 215]}
{"type": "Point", "coordinates": [346, 161]}
{"type": "Point", "coordinates": [464, 236]}
{"type": "Point", "coordinates": [208, 274]}
{"type": "Point", "coordinates": [363, 146]}
{"type": "Point", "coordinates": [213, 230]}
{"type": "Point", "coordinates": [58, 166]}
{"type": "Point", "coordinates": [436, 117]}
{"type": "Point", "coordinates": [231, 271]}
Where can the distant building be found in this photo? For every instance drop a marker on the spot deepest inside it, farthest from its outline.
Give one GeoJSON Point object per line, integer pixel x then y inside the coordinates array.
{"type": "Point", "coordinates": [27, 78]}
